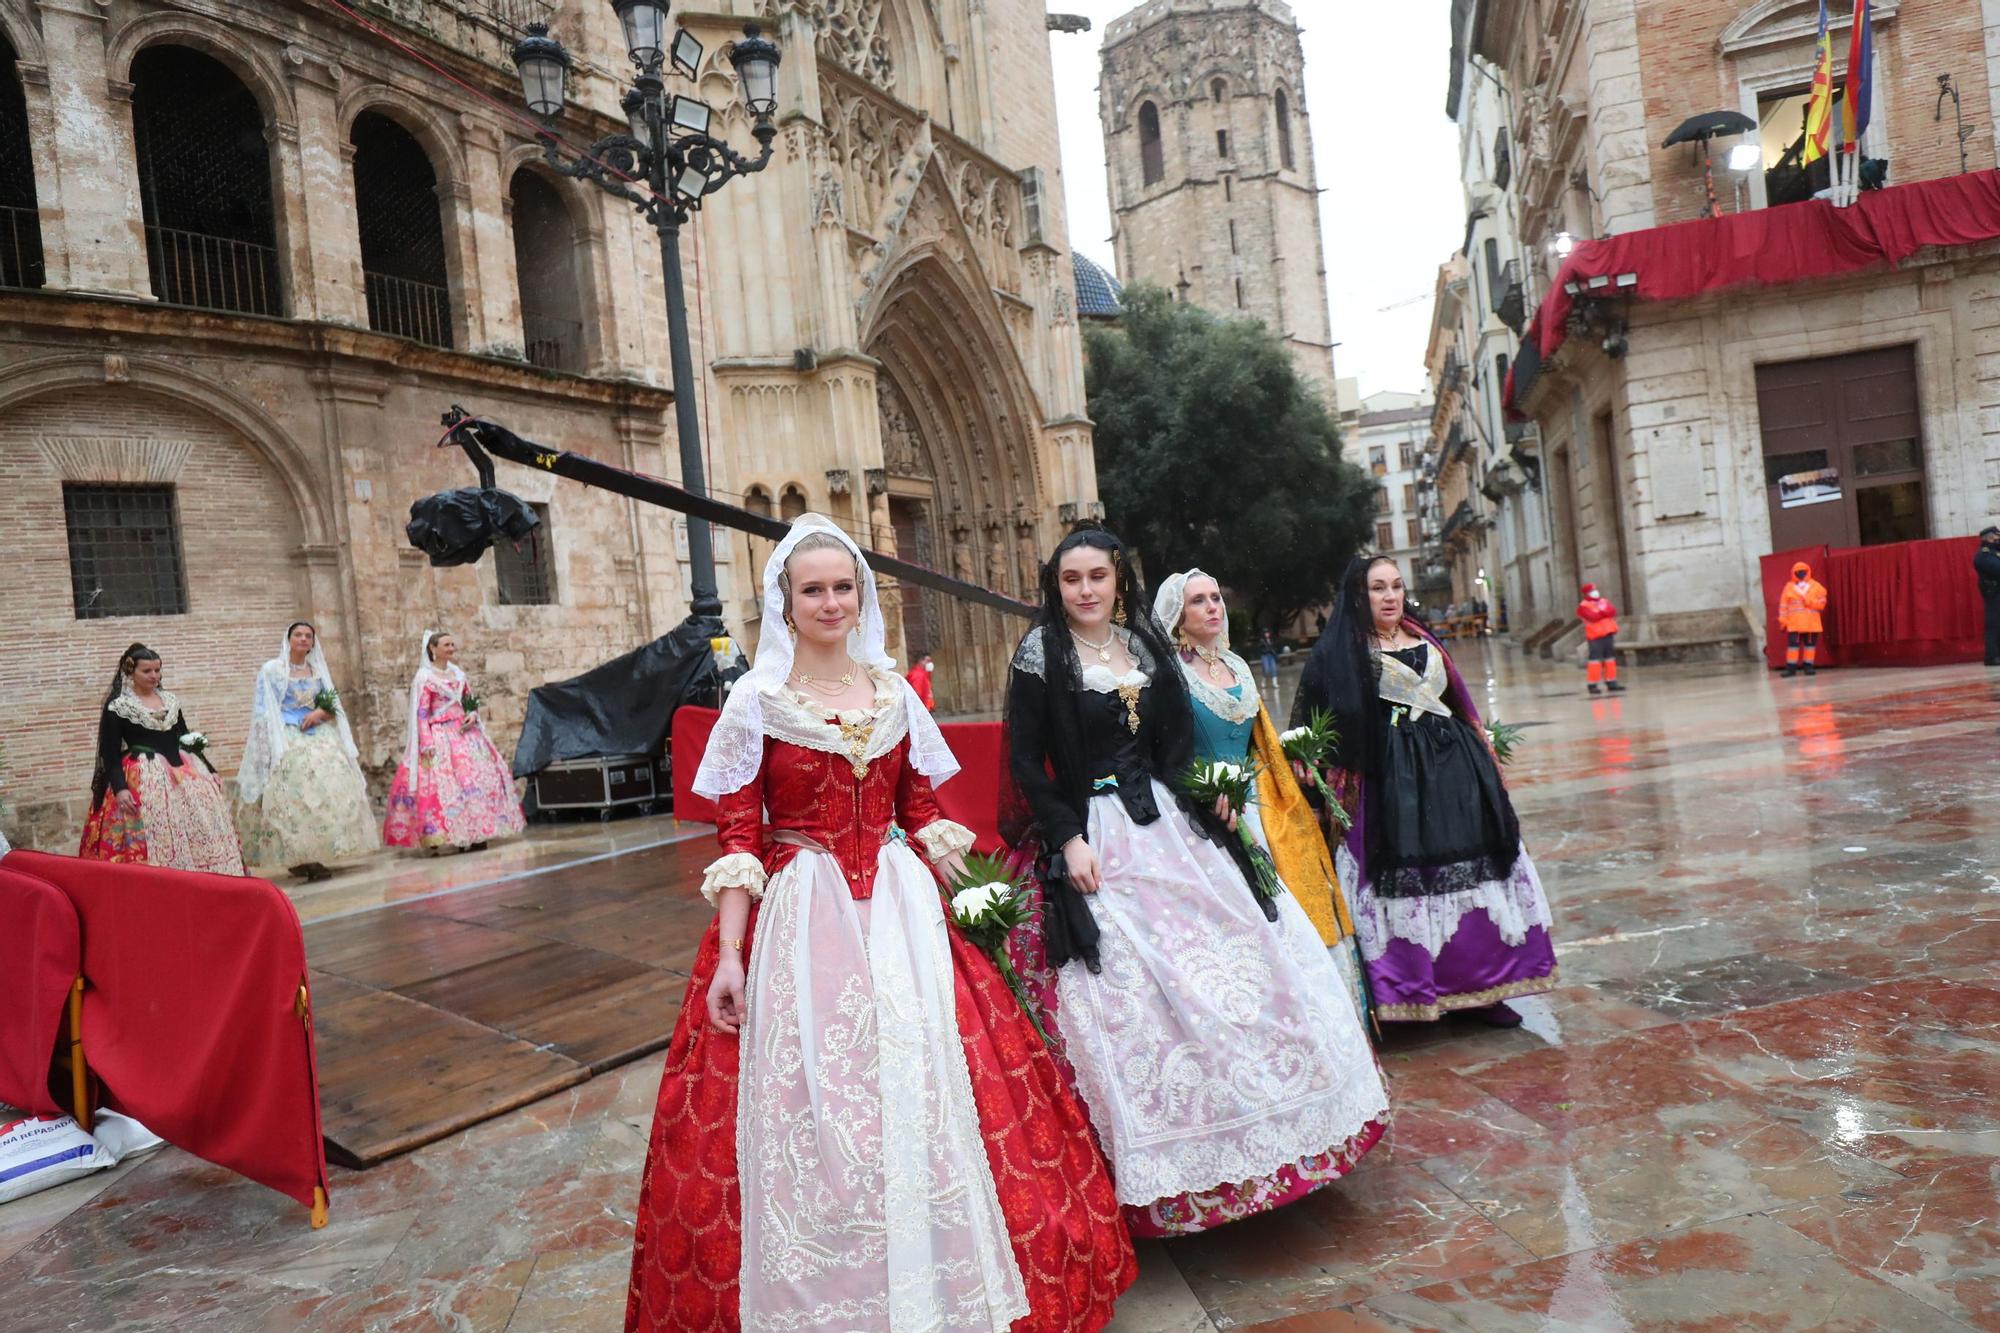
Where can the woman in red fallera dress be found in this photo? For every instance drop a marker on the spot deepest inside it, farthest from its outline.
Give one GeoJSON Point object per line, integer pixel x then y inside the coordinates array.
{"type": "Point", "coordinates": [858, 1128]}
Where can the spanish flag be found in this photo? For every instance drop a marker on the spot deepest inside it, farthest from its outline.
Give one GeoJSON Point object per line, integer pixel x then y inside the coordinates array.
{"type": "Point", "coordinates": [1819, 109]}
{"type": "Point", "coordinates": [1854, 106]}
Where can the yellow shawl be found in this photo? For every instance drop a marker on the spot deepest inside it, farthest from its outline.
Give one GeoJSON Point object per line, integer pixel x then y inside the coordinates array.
{"type": "Point", "coordinates": [1298, 847]}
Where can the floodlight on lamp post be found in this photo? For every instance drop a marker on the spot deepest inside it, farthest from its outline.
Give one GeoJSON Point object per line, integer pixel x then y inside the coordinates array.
{"type": "Point", "coordinates": [666, 163]}
{"type": "Point", "coordinates": [1746, 157]}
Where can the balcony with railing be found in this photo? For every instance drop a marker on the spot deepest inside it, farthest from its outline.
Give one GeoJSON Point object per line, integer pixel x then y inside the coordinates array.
{"type": "Point", "coordinates": [20, 248]}
{"type": "Point", "coordinates": [486, 29]}
{"type": "Point", "coordinates": [553, 344]}
{"type": "Point", "coordinates": [190, 268]}
{"type": "Point", "coordinates": [409, 309]}
{"type": "Point", "coordinates": [1510, 297]}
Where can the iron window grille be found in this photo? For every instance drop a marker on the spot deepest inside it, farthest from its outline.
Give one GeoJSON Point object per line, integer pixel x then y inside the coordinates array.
{"type": "Point", "coordinates": [527, 570]}
{"type": "Point", "coordinates": [124, 551]}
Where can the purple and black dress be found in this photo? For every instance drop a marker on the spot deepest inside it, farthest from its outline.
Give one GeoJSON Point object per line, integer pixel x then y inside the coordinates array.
{"type": "Point", "coordinates": [1447, 905]}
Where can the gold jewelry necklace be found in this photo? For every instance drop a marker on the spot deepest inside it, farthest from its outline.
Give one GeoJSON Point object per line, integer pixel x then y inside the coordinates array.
{"type": "Point", "coordinates": [1103, 650]}
{"type": "Point", "coordinates": [825, 686]}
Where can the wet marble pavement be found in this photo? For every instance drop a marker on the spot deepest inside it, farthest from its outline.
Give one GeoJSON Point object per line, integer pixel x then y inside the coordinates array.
{"type": "Point", "coordinates": [1767, 1095]}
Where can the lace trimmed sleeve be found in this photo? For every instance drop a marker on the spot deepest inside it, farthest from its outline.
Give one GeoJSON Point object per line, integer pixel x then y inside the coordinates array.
{"type": "Point", "coordinates": [943, 837]}
{"type": "Point", "coordinates": [738, 870]}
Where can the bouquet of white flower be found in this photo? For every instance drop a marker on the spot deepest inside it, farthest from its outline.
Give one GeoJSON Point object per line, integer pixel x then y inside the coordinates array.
{"type": "Point", "coordinates": [1209, 781]}
{"type": "Point", "coordinates": [988, 903]}
{"type": "Point", "coordinates": [194, 743]}
{"type": "Point", "coordinates": [1311, 746]}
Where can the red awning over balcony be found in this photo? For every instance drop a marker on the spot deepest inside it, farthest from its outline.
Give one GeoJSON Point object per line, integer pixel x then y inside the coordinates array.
{"type": "Point", "coordinates": [1770, 247]}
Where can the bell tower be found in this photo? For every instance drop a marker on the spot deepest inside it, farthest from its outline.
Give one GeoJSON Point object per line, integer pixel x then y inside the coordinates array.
{"type": "Point", "coordinates": [1209, 156]}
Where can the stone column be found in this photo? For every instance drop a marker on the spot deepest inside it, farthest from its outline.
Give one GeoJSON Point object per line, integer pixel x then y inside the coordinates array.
{"type": "Point", "coordinates": [322, 227]}
{"type": "Point", "coordinates": [493, 289]}
{"type": "Point", "coordinates": [98, 225]}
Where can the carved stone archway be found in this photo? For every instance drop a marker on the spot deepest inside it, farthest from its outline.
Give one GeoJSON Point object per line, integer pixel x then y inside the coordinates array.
{"type": "Point", "coordinates": [958, 442]}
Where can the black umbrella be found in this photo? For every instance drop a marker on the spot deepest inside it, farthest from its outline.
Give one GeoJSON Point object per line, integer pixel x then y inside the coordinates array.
{"type": "Point", "coordinates": [1710, 125]}
{"type": "Point", "coordinates": [1703, 128]}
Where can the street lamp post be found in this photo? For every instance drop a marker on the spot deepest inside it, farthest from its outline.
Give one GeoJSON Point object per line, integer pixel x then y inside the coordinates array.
{"type": "Point", "coordinates": [664, 167]}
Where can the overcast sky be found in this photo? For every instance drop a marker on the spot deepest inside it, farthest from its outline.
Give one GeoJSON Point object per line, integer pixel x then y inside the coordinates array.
{"type": "Point", "coordinates": [1387, 157]}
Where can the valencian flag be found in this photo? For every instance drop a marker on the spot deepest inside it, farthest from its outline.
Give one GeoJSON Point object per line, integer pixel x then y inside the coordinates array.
{"type": "Point", "coordinates": [1860, 55]}
{"type": "Point", "coordinates": [1819, 109]}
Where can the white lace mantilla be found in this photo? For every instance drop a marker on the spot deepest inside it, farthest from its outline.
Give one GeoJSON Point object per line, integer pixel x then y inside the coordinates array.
{"type": "Point", "coordinates": [163, 718]}
{"type": "Point", "coordinates": [1215, 1047]}
{"type": "Point", "coordinates": [1514, 905]}
{"type": "Point", "coordinates": [799, 720]}
{"type": "Point", "coordinates": [1104, 680]}
{"type": "Point", "coordinates": [1231, 708]}
{"type": "Point", "coordinates": [868, 1200]}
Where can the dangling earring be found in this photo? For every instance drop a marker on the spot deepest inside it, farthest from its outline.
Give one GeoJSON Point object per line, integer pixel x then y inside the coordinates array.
{"type": "Point", "coordinates": [1118, 611]}
{"type": "Point", "coordinates": [791, 628]}
{"type": "Point", "coordinates": [1180, 637]}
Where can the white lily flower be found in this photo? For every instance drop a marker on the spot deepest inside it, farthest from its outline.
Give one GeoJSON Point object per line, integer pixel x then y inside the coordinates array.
{"type": "Point", "coordinates": [973, 902]}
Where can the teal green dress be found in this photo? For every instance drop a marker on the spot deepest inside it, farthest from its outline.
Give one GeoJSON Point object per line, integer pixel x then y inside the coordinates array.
{"type": "Point", "coordinates": [1217, 738]}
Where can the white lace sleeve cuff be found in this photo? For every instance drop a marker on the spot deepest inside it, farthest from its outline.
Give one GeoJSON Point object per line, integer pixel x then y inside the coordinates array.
{"type": "Point", "coordinates": [738, 870]}
{"type": "Point", "coordinates": [942, 837]}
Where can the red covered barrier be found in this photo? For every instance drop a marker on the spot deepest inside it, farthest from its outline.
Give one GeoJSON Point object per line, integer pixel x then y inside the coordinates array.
{"type": "Point", "coordinates": [40, 955]}
{"type": "Point", "coordinates": [1902, 604]}
{"type": "Point", "coordinates": [196, 1017]}
{"type": "Point", "coordinates": [972, 797]}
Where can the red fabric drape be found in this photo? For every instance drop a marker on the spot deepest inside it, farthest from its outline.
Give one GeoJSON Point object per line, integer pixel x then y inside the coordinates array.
{"type": "Point", "coordinates": [972, 798]}
{"type": "Point", "coordinates": [1903, 604]}
{"type": "Point", "coordinates": [40, 955]}
{"type": "Point", "coordinates": [1772, 247]}
{"type": "Point", "coordinates": [189, 1021]}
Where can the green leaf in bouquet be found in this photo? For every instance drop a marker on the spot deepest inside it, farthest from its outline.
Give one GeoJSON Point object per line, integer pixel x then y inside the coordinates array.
{"type": "Point", "coordinates": [328, 702]}
{"type": "Point", "coordinates": [1505, 737]}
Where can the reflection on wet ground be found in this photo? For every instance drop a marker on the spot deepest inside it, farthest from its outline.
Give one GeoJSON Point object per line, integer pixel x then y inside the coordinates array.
{"type": "Point", "coordinates": [1768, 1094]}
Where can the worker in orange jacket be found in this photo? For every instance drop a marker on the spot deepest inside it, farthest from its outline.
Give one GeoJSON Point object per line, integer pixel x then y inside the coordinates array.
{"type": "Point", "coordinates": [1600, 636]}
{"type": "Point", "coordinates": [1799, 608]}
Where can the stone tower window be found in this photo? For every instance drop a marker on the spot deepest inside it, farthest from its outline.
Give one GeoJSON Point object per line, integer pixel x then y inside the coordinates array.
{"type": "Point", "coordinates": [204, 184]}
{"type": "Point", "coordinates": [1283, 106]}
{"type": "Point", "coordinates": [1222, 143]}
{"type": "Point", "coordinates": [545, 269]}
{"type": "Point", "coordinates": [1217, 89]}
{"type": "Point", "coordinates": [1152, 164]}
{"type": "Point", "coordinates": [791, 502]}
{"type": "Point", "coordinates": [20, 223]}
{"type": "Point", "coordinates": [402, 233]}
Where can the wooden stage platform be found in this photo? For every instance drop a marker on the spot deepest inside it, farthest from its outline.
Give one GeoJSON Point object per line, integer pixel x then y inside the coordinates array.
{"type": "Point", "coordinates": [436, 1014]}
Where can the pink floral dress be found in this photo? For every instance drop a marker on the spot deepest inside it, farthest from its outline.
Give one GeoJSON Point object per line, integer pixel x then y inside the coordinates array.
{"type": "Point", "coordinates": [458, 791]}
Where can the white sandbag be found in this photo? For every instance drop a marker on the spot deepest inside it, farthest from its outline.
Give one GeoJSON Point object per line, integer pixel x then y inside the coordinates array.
{"type": "Point", "coordinates": [43, 1151]}
{"type": "Point", "coordinates": [123, 1137]}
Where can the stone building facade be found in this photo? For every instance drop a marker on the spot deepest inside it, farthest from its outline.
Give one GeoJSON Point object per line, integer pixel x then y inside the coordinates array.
{"type": "Point", "coordinates": [1389, 437]}
{"type": "Point", "coordinates": [249, 252]}
{"type": "Point", "coordinates": [1209, 155]}
{"type": "Point", "coordinates": [1660, 435]}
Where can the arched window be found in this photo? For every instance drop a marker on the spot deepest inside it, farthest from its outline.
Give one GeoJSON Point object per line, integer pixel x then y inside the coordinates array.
{"type": "Point", "coordinates": [1283, 105]}
{"type": "Point", "coordinates": [1152, 165]}
{"type": "Point", "coordinates": [1218, 89]}
{"type": "Point", "coordinates": [20, 222]}
{"type": "Point", "coordinates": [402, 234]}
{"type": "Point", "coordinates": [758, 501]}
{"type": "Point", "coordinates": [791, 503]}
{"type": "Point", "coordinates": [545, 269]}
{"type": "Point", "coordinates": [204, 184]}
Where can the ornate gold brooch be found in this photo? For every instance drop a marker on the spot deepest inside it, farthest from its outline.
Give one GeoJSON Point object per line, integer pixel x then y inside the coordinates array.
{"type": "Point", "coordinates": [1130, 694]}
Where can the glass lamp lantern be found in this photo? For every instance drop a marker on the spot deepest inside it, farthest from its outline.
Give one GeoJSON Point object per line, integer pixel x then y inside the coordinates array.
{"type": "Point", "coordinates": [756, 61]}
{"type": "Point", "coordinates": [633, 104]}
{"type": "Point", "coordinates": [544, 68]}
{"type": "Point", "coordinates": [645, 24]}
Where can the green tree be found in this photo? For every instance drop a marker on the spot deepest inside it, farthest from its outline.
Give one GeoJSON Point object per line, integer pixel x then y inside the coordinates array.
{"type": "Point", "coordinates": [1212, 451]}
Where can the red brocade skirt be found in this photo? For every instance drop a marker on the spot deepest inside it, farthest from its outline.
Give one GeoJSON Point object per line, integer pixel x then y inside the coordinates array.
{"type": "Point", "coordinates": [1069, 1239]}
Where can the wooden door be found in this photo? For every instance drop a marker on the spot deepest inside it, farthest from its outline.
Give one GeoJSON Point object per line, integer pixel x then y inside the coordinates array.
{"type": "Point", "coordinates": [1843, 450]}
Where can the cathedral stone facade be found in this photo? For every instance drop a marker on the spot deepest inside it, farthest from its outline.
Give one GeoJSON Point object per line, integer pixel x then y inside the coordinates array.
{"type": "Point", "coordinates": [250, 252]}
{"type": "Point", "coordinates": [1209, 155]}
